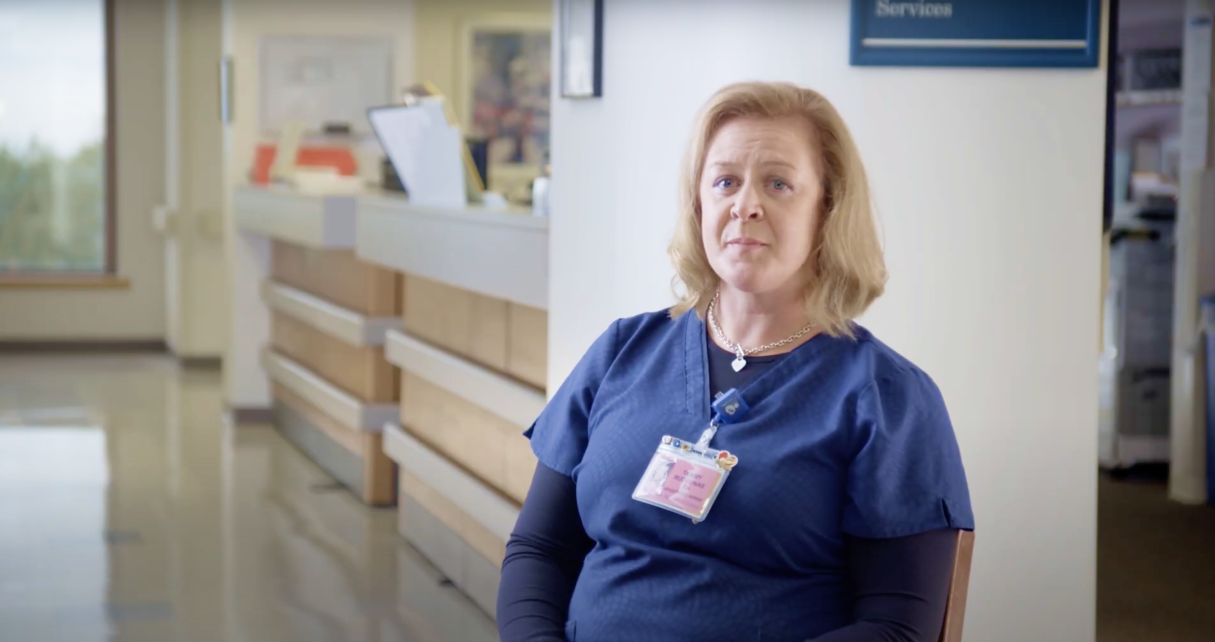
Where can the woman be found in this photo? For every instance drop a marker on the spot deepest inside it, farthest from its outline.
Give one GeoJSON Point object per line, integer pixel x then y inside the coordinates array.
{"type": "Point", "coordinates": [837, 521]}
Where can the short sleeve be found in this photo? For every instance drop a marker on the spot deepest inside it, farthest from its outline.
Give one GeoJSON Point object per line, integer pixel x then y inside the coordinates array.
{"type": "Point", "coordinates": [559, 435]}
{"type": "Point", "coordinates": [906, 475]}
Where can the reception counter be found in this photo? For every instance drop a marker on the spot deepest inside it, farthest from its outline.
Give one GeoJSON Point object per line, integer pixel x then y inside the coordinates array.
{"type": "Point", "coordinates": [472, 352]}
{"type": "Point", "coordinates": [321, 222]}
{"type": "Point", "coordinates": [502, 254]}
{"type": "Point", "coordinates": [407, 354]}
{"type": "Point", "coordinates": [332, 389]}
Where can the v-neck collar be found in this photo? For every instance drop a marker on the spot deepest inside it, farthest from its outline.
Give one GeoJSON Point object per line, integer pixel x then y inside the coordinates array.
{"type": "Point", "coordinates": [698, 397]}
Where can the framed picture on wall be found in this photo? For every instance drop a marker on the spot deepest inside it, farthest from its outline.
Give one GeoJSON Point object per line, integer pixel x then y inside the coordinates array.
{"type": "Point", "coordinates": [322, 80]}
{"type": "Point", "coordinates": [581, 48]}
{"type": "Point", "coordinates": [504, 66]}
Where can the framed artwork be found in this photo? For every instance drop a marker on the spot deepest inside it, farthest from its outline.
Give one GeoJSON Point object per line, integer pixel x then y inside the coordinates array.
{"type": "Point", "coordinates": [318, 80]}
{"type": "Point", "coordinates": [581, 48]}
{"type": "Point", "coordinates": [504, 95]}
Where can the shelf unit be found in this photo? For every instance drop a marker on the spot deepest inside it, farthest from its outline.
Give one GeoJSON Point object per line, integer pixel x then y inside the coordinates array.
{"type": "Point", "coordinates": [517, 403]}
{"type": "Point", "coordinates": [342, 324]}
{"type": "Point", "coordinates": [347, 409]}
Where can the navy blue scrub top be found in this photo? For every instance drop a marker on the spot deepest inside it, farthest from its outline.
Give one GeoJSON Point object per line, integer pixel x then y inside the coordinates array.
{"type": "Point", "coordinates": [843, 436]}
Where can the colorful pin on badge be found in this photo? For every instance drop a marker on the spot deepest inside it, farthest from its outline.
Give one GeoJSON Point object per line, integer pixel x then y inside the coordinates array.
{"type": "Point", "coordinates": [685, 446]}
{"type": "Point", "coordinates": [666, 439]}
{"type": "Point", "coordinates": [675, 443]}
{"type": "Point", "coordinates": [726, 460]}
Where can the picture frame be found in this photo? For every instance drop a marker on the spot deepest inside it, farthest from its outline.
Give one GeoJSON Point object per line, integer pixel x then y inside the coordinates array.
{"type": "Point", "coordinates": [503, 93]}
{"type": "Point", "coordinates": [581, 48]}
{"type": "Point", "coordinates": [322, 80]}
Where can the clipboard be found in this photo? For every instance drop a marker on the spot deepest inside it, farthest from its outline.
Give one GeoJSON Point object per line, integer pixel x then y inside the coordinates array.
{"type": "Point", "coordinates": [427, 151]}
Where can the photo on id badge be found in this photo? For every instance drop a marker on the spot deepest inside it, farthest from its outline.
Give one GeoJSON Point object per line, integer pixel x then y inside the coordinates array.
{"type": "Point", "coordinates": [660, 470]}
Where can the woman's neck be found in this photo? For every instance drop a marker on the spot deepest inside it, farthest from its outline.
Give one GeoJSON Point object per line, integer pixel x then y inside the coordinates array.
{"type": "Point", "coordinates": [753, 320]}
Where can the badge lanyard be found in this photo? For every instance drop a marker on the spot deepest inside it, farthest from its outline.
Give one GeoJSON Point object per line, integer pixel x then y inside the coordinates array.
{"type": "Point", "coordinates": [685, 478]}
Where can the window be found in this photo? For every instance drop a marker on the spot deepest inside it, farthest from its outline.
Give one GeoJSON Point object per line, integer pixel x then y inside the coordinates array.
{"type": "Point", "coordinates": [56, 153]}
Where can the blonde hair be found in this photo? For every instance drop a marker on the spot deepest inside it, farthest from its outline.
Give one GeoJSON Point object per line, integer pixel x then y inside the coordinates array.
{"type": "Point", "coordinates": [847, 271]}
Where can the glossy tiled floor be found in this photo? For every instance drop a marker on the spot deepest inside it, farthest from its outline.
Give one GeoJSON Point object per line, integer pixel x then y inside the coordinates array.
{"type": "Point", "coordinates": [130, 512]}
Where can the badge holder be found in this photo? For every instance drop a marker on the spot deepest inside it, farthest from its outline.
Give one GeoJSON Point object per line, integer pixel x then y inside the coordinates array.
{"type": "Point", "coordinates": [685, 478]}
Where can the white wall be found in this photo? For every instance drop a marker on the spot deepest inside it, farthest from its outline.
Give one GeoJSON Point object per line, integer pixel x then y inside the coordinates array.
{"type": "Point", "coordinates": [989, 184]}
{"type": "Point", "coordinates": [136, 312]}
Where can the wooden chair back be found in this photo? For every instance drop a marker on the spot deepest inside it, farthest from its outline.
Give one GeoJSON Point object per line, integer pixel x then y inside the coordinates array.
{"type": "Point", "coordinates": [959, 584]}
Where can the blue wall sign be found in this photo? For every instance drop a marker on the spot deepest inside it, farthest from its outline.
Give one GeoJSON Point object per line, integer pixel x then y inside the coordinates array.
{"type": "Point", "coordinates": [976, 33]}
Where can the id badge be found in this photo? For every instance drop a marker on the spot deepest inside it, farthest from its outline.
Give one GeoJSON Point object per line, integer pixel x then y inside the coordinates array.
{"type": "Point", "coordinates": [683, 479]}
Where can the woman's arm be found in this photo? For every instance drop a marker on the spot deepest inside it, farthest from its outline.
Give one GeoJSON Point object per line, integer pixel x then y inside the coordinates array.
{"type": "Point", "coordinates": [899, 588]}
{"type": "Point", "coordinates": [543, 559]}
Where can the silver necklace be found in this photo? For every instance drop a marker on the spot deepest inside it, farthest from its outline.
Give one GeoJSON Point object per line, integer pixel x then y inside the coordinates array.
{"type": "Point", "coordinates": [741, 361]}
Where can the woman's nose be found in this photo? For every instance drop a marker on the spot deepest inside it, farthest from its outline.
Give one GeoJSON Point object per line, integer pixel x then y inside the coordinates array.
{"type": "Point", "coordinates": [747, 206]}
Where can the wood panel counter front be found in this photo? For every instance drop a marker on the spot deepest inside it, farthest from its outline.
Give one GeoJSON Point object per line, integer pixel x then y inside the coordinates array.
{"type": "Point", "coordinates": [360, 370]}
{"type": "Point", "coordinates": [338, 276]}
{"type": "Point", "coordinates": [345, 361]}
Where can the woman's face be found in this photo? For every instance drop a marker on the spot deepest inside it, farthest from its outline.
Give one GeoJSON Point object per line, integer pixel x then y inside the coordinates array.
{"type": "Point", "coordinates": [760, 197]}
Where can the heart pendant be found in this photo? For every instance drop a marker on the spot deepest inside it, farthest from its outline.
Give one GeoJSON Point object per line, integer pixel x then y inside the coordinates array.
{"type": "Point", "coordinates": [739, 364]}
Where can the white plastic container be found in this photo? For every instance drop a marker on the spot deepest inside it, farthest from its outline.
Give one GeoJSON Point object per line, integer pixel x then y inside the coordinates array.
{"type": "Point", "coordinates": [540, 196]}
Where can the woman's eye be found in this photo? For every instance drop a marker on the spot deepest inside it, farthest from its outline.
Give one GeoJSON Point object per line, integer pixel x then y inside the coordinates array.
{"type": "Point", "coordinates": [779, 184]}
{"type": "Point", "coordinates": [724, 183]}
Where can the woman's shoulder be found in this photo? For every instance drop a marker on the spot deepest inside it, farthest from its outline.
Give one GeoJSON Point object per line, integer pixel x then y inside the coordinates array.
{"type": "Point", "coordinates": [658, 322]}
{"type": "Point", "coordinates": [877, 365]}
{"type": "Point", "coordinates": [646, 326]}
{"type": "Point", "coordinates": [632, 332]}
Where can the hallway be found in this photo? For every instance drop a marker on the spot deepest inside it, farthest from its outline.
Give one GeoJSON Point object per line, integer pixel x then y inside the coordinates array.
{"type": "Point", "coordinates": [133, 513]}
